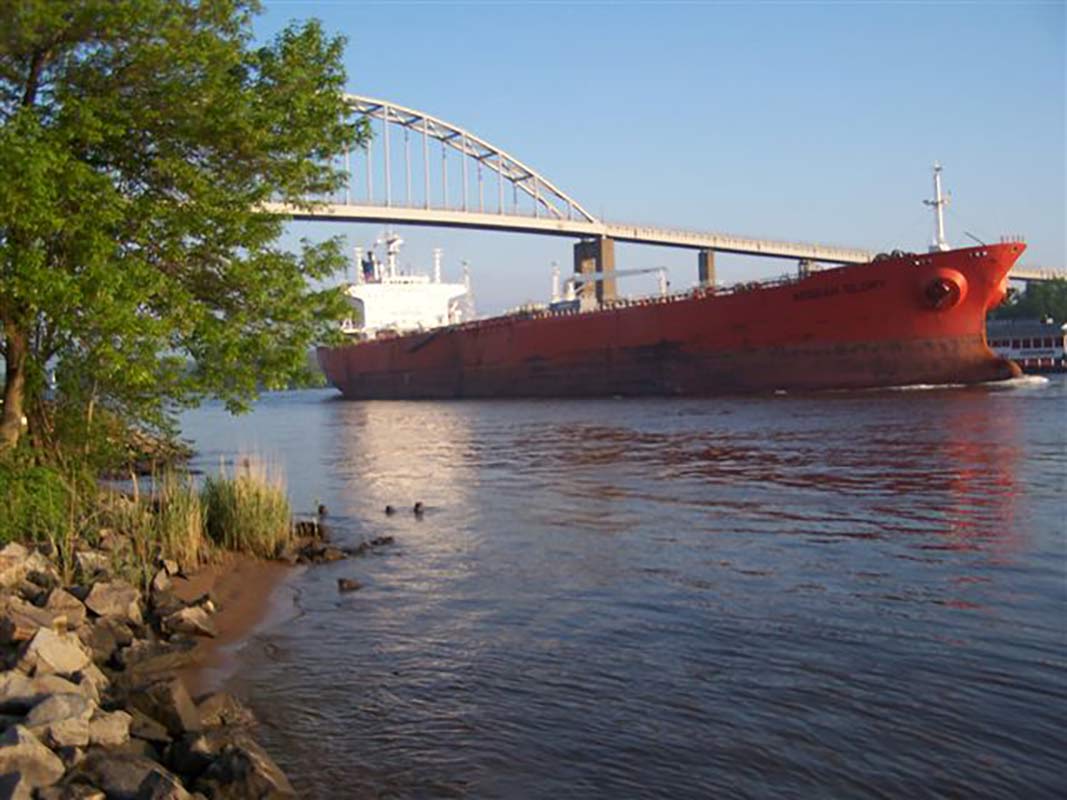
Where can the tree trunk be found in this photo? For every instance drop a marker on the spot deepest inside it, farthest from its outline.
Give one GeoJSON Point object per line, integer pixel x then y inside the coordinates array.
{"type": "Point", "coordinates": [17, 342]}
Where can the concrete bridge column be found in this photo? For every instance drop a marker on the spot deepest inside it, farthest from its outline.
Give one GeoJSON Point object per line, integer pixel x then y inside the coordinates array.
{"type": "Point", "coordinates": [592, 256]}
{"type": "Point", "coordinates": [706, 268]}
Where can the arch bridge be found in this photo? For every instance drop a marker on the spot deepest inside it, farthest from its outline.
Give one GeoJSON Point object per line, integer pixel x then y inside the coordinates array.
{"type": "Point", "coordinates": [421, 170]}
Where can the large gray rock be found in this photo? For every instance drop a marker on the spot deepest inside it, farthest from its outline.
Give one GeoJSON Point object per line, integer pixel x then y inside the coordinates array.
{"type": "Point", "coordinates": [194, 621]}
{"type": "Point", "coordinates": [168, 702]}
{"type": "Point", "coordinates": [91, 682]}
{"type": "Point", "coordinates": [244, 770]}
{"type": "Point", "coordinates": [16, 562]}
{"type": "Point", "coordinates": [110, 729]}
{"type": "Point", "coordinates": [16, 692]}
{"type": "Point", "coordinates": [30, 591]}
{"type": "Point", "coordinates": [165, 603]}
{"type": "Point", "coordinates": [92, 563]}
{"type": "Point", "coordinates": [20, 620]}
{"type": "Point", "coordinates": [99, 641]}
{"type": "Point", "coordinates": [12, 555]}
{"type": "Point", "coordinates": [161, 581]}
{"type": "Point", "coordinates": [115, 599]}
{"type": "Point", "coordinates": [57, 707]}
{"type": "Point", "coordinates": [62, 720]}
{"type": "Point", "coordinates": [103, 636]}
{"type": "Point", "coordinates": [45, 579]}
{"type": "Point", "coordinates": [51, 652]}
{"type": "Point", "coordinates": [147, 729]}
{"type": "Point", "coordinates": [19, 693]}
{"type": "Point", "coordinates": [160, 786]}
{"type": "Point", "coordinates": [146, 658]}
{"type": "Point", "coordinates": [70, 755]}
{"type": "Point", "coordinates": [222, 708]}
{"type": "Point", "coordinates": [68, 734]}
{"type": "Point", "coordinates": [21, 752]}
{"type": "Point", "coordinates": [120, 775]}
{"type": "Point", "coordinates": [63, 602]}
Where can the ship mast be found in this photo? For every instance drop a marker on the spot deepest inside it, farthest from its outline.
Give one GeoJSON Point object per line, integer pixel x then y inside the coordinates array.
{"type": "Point", "coordinates": [938, 204]}
{"type": "Point", "coordinates": [392, 244]}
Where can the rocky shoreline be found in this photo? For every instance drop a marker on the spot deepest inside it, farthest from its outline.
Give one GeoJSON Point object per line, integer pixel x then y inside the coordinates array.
{"type": "Point", "coordinates": [91, 701]}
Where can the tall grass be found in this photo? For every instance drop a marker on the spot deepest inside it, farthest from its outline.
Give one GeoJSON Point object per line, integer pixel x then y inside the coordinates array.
{"type": "Point", "coordinates": [245, 508]}
{"type": "Point", "coordinates": [248, 510]}
{"type": "Point", "coordinates": [167, 524]}
{"type": "Point", "coordinates": [180, 521]}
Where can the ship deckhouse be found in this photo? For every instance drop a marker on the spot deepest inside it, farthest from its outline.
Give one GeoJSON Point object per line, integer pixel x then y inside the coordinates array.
{"type": "Point", "coordinates": [384, 301]}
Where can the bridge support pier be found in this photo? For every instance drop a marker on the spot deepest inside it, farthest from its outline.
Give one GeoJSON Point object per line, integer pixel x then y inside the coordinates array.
{"type": "Point", "coordinates": [596, 256]}
{"type": "Point", "coordinates": [706, 268]}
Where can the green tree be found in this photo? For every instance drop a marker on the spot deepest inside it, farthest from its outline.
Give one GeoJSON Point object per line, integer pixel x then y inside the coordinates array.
{"type": "Point", "coordinates": [139, 139]}
{"type": "Point", "coordinates": [1039, 301]}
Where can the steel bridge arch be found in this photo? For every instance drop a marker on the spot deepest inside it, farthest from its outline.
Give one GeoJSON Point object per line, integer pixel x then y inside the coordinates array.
{"type": "Point", "coordinates": [546, 196]}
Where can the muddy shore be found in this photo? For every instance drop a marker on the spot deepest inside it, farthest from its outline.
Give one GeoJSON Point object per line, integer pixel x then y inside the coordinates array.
{"type": "Point", "coordinates": [251, 595]}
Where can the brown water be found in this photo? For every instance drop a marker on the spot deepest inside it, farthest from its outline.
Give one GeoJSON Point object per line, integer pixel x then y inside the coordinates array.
{"type": "Point", "coordinates": [843, 595]}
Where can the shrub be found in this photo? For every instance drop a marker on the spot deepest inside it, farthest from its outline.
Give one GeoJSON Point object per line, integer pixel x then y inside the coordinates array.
{"type": "Point", "coordinates": [37, 503]}
{"type": "Point", "coordinates": [248, 511]}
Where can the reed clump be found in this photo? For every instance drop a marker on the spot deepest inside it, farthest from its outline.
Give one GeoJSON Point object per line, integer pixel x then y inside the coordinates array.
{"type": "Point", "coordinates": [180, 521]}
{"type": "Point", "coordinates": [247, 509]}
{"type": "Point", "coordinates": [167, 524]}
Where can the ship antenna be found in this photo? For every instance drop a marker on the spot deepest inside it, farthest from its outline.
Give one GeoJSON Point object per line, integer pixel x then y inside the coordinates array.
{"type": "Point", "coordinates": [938, 204]}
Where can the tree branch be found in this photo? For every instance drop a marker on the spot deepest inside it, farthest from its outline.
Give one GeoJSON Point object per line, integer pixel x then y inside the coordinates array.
{"type": "Point", "coordinates": [33, 80]}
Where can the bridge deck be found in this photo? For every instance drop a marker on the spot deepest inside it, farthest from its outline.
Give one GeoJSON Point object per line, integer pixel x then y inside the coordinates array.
{"type": "Point", "coordinates": [697, 240]}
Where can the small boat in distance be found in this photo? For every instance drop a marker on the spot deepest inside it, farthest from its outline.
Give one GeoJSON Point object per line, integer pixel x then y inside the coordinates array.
{"type": "Point", "coordinates": [901, 319]}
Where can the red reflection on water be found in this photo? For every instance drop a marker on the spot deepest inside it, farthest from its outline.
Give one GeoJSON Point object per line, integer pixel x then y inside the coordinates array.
{"type": "Point", "coordinates": [982, 452]}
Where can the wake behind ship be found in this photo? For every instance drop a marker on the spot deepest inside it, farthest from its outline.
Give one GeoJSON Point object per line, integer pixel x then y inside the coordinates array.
{"type": "Point", "coordinates": [899, 320]}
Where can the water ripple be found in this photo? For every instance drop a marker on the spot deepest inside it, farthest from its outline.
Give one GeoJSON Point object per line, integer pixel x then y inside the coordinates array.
{"type": "Point", "coordinates": [847, 595]}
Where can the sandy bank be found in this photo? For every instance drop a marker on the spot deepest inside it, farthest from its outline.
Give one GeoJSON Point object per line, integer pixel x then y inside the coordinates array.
{"type": "Point", "coordinates": [252, 595]}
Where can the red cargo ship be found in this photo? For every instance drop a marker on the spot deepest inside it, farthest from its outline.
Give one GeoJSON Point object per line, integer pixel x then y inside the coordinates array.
{"type": "Point", "coordinates": [899, 320]}
{"type": "Point", "coordinates": [902, 319]}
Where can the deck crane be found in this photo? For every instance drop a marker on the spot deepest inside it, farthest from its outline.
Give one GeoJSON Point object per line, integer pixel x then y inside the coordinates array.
{"type": "Point", "coordinates": [574, 282]}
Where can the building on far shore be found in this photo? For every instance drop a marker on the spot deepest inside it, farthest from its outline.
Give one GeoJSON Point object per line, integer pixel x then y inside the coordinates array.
{"type": "Point", "coordinates": [1034, 345]}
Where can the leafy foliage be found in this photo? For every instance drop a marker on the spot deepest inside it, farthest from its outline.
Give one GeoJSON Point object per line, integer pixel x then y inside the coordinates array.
{"type": "Point", "coordinates": [1039, 301]}
{"type": "Point", "coordinates": [138, 139]}
{"type": "Point", "coordinates": [37, 502]}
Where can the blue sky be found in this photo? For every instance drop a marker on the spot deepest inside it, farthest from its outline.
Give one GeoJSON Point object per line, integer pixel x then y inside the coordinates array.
{"type": "Point", "coordinates": [806, 121]}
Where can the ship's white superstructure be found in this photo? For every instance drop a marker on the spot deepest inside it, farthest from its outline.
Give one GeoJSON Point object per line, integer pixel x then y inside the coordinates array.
{"type": "Point", "coordinates": [386, 301]}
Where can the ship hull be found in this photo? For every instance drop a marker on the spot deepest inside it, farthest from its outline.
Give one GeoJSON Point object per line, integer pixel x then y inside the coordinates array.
{"type": "Point", "coordinates": [916, 319]}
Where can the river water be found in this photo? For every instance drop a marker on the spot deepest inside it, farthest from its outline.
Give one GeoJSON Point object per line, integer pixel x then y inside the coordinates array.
{"type": "Point", "coordinates": [835, 595]}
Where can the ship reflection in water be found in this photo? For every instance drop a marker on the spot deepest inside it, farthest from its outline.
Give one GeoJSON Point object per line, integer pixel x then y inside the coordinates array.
{"type": "Point", "coordinates": [841, 595]}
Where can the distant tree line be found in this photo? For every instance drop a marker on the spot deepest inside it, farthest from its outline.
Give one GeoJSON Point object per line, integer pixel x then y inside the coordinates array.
{"type": "Point", "coordinates": [1039, 301]}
